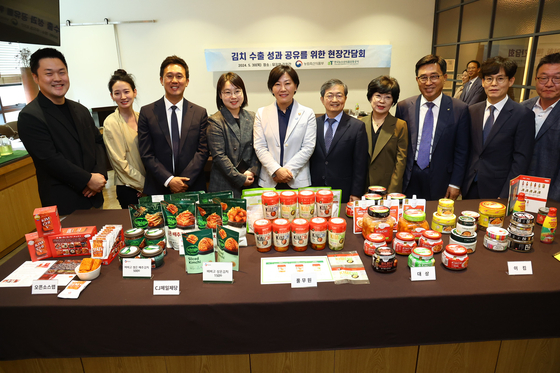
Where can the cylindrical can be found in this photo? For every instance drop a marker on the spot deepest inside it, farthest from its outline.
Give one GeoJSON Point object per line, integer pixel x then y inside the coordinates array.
{"type": "Point", "coordinates": [129, 252]}
{"type": "Point", "coordinates": [492, 214]}
{"type": "Point", "coordinates": [306, 202]}
{"type": "Point", "coordinates": [155, 253]}
{"type": "Point", "coordinates": [404, 243]}
{"type": "Point", "coordinates": [384, 260]}
{"type": "Point", "coordinates": [543, 212]}
{"type": "Point", "coordinates": [522, 223]}
{"type": "Point", "coordinates": [288, 205]}
{"type": "Point", "coordinates": [281, 234]}
{"type": "Point", "coordinates": [473, 214]}
{"type": "Point", "coordinates": [520, 243]}
{"type": "Point", "coordinates": [318, 233]}
{"type": "Point", "coordinates": [263, 235]}
{"type": "Point", "coordinates": [324, 200]}
{"type": "Point", "coordinates": [372, 242]}
{"type": "Point", "coordinates": [373, 197]}
{"type": "Point", "coordinates": [377, 189]}
{"type": "Point", "coordinates": [156, 236]}
{"type": "Point", "coordinates": [466, 226]}
{"type": "Point", "coordinates": [337, 233]}
{"type": "Point", "coordinates": [421, 257]}
{"type": "Point", "coordinates": [134, 237]}
{"type": "Point", "coordinates": [431, 240]}
{"type": "Point", "coordinates": [496, 239]}
{"type": "Point", "coordinates": [445, 206]}
{"type": "Point", "coordinates": [443, 223]}
{"type": "Point", "coordinates": [300, 234]}
{"type": "Point", "coordinates": [469, 242]}
{"type": "Point", "coordinates": [271, 205]}
{"type": "Point", "coordinates": [455, 257]}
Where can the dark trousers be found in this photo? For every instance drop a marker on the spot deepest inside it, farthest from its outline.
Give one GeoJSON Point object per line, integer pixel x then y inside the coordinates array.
{"type": "Point", "coordinates": [126, 196]}
{"type": "Point", "coordinates": [472, 193]}
{"type": "Point", "coordinates": [282, 186]}
{"type": "Point", "coordinates": [419, 183]}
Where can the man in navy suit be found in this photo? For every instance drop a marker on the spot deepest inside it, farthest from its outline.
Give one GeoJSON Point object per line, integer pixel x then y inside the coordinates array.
{"type": "Point", "coordinates": [341, 152]}
{"type": "Point", "coordinates": [438, 135]}
{"type": "Point", "coordinates": [473, 91]}
{"type": "Point", "coordinates": [502, 134]}
{"type": "Point", "coordinates": [172, 135]}
{"type": "Point", "coordinates": [546, 156]}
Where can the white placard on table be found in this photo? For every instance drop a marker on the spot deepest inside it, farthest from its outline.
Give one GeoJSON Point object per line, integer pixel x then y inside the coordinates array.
{"type": "Point", "coordinates": [278, 270]}
{"type": "Point", "coordinates": [44, 287]}
{"type": "Point", "coordinates": [520, 268]}
{"type": "Point", "coordinates": [304, 280]}
{"type": "Point", "coordinates": [137, 268]}
{"type": "Point", "coordinates": [217, 272]}
{"type": "Point", "coordinates": [422, 274]}
{"type": "Point", "coordinates": [169, 287]}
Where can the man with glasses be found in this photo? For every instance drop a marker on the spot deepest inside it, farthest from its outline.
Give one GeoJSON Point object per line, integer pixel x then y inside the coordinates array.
{"type": "Point", "coordinates": [340, 156]}
{"type": "Point", "coordinates": [172, 135]}
{"type": "Point", "coordinates": [438, 135]}
{"type": "Point", "coordinates": [546, 157]}
{"type": "Point", "coordinates": [473, 91]}
{"type": "Point", "coordinates": [502, 134]}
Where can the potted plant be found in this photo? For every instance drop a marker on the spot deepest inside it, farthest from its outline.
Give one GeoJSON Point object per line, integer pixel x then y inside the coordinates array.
{"type": "Point", "coordinates": [29, 86]}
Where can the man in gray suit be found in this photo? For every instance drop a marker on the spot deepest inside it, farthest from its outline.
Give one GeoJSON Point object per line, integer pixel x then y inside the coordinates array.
{"type": "Point", "coordinates": [546, 156]}
{"type": "Point", "coordinates": [473, 91]}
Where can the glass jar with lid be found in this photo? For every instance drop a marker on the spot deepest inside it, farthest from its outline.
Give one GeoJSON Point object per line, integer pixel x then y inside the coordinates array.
{"type": "Point", "coordinates": [378, 220]}
{"type": "Point", "coordinates": [413, 221]}
{"type": "Point", "coordinates": [421, 257]}
{"type": "Point", "coordinates": [404, 243]}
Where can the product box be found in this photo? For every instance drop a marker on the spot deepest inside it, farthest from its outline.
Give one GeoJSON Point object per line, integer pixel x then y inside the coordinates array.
{"type": "Point", "coordinates": [47, 220]}
{"type": "Point", "coordinates": [72, 241]}
{"type": "Point", "coordinates": [107, 243]}
{"type": "Point", "coordinates": [38, 247]}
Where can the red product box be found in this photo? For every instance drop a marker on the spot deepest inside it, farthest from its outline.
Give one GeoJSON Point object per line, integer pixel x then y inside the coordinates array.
{"type": "Point", "coordinates": [38, 247]}
{"type": "Point", "coordinates": [47, 220]}
{"type": "Point", "coordinates": [72, 241]}
{"type": "Point", "coordinates": [117, 246]}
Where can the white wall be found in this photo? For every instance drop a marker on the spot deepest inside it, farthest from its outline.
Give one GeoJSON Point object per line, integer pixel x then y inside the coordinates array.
{"type": "Point", "coordinates": [186, 28]}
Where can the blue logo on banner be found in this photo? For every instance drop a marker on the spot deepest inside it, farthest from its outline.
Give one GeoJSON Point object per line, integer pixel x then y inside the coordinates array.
{"type": "Point", "coordinates": [299, 63]}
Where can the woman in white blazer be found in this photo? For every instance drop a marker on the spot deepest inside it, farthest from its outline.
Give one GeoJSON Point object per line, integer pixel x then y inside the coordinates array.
{"type": "Point", "coordinates": [284, 134]}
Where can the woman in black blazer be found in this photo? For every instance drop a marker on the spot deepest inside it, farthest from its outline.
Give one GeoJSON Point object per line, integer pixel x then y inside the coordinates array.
{"type": "Point", "coordinates": [230, 138]}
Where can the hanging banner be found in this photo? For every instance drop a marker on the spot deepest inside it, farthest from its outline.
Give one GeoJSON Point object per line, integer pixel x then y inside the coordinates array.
{"type": "Point", "coordinates": [347, 56]}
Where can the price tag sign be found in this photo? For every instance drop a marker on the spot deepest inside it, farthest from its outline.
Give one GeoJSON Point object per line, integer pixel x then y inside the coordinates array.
{"type": "Point", "coordinates": [166, 287]}
{"type": "Point", "coordinates": [217, 272]}
{"type": "Point", "coordinates": [44, 287]}
{"type": "Point", "coordinates": [520, 268]}
{"type": "Point", "coordinates": [304, 280]}
{"type": "Point", "coordinates": [137, 268]}
{"type": "Point", "coordinates": [423, 274]}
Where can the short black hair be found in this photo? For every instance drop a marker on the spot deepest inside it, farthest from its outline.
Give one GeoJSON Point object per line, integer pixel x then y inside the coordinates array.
{"type": "Point", "coordinates": [173, 60]}
{"type": "Point", "coordinates": [45, 53]}
{"type": "Point", "coordinates": [493, 65]}
{"type": "Point", "coordinates": [121, 75]}
{"type": "Point", "coordinates": [431, 59]}
{"type": "Point", "coordinates": [331, 83]}
{"type": "Point", "coordinates": [475, 61]}
{"type": "Point", "coordinates": [384, 84]}
{"type": "Point", "coordinates": [235, 80]}
{"type": "Point", "coordinates": [549, 58]}
{"type": "Point", "coordinates": [280, 70]}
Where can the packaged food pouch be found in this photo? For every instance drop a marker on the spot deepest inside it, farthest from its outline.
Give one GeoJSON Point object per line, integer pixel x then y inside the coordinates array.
{"type": "Point", "coordinates": [146, 215]}
{"type": "Point", "coordinates": [228, 246]}
{"type": "Point", "coordinates": [179, 218]}
{"type": "Point", "coordinates": [236, 213]}
{"type": "Point", "coordinates": [217, 198]}
{"type": "Point", "coordinates": [199, 249]}
{"type": "Point", "coordinates": [254, 205]}
{"type": "Point", "coordinates": [209, 215]}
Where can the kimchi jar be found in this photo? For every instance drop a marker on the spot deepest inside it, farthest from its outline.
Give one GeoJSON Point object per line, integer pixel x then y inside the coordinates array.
{"type": "Point", "coordinates": [378, 220]}
{"type": "Point", "coordinates": [306, 202]}
{"type": "Point", "coordinates": [324, 200]}
{"type": "Point", "coordinates": [318, 233]}
{"type": "Point", "coordinates": [288, 204]}
{"type": "Point", "coordinates": [300, 234]}
{"type": "Point", "coordinates": [263, 235]}
{"type": "Point", "coordinates": [413, 221]}
{"type": "Point", "coordinates": [281, 234]}
{"type": "Point", "coordinates": [271, 205]}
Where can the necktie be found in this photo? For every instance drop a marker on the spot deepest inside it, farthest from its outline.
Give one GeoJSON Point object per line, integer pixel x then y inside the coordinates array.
{"type": "Point", "coordinates": [175, 138]}
{"type": "Point", "coordinates": [488, 125]}
{"type": "Point", "coordinates": [425, 143]}
{"type": "Point", "coordinates": [329, 134]}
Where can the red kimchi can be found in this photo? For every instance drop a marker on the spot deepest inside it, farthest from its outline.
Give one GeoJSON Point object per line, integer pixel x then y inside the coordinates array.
{"type": "Point", "coordinates": [318, 233]}
{"type": "Point", "coordinates": [281, 234]}
{"type": "Point", "coordinates": [263, 235]}
{"type": "Point", "coordinates": [271, 205]}
{"type": "Point", "coordinates": [324, 200]}
{"type": "Point", "coordinates": [404, 243]}
{"type": "Point", "coordinates": [372, 242]}
{"type": "Point", "coordinates": [300, 234]}
{"type": "Point", "coordinates": [306, 202]}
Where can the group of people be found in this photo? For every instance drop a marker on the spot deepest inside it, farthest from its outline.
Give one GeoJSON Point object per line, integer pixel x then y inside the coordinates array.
{"type": "Point", "coordinates": [434, 147]}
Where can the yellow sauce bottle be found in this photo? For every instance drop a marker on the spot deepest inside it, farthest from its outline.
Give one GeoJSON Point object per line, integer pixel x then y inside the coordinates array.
{"type": "Point", "coordinates": [519, 203]}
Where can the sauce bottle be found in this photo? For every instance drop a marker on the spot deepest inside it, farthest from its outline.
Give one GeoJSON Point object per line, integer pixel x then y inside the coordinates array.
{"type": "Point", "coordinates": [549, 226]}
{"type": "Point", "coordinates": [519, 203]}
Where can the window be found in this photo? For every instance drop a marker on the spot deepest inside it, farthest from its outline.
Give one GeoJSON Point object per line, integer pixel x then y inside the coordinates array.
{"type": "Point", "coordinates": [12, 98]}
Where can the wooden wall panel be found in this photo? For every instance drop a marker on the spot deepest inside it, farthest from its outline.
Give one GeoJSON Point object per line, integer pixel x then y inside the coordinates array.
{"type": "Point", "coordinates": [478, 357]}
{"type": "Point", "coordinates": [138, 364]}
{"type": "Point", "coordinates": [208, 364]}
{"type": "Point", "coordinates": [42, 366]}
{"type": "Point", "coordinates": [529, 356]}
{"type": "Point", "coordinates": [293, 362]}
{"type": "Point", "coordinates": [378, 360]}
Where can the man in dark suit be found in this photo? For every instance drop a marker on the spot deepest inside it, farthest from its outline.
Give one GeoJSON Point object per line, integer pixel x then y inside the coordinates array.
{"type": "Point", "coordinates": [340, 156]}
{"type": "Point", "coordinates": [546, 156]}
{"type": "Point", "coordinates": [473, 91]}
{"type": "Point", "coordinates": [172, 135]}
{"type": "Point", "coordinates": [62, 139]}
{"type": "Point", "coordinates": [502, 134]}
{"type": "Point", "coordinates": [438, 135]}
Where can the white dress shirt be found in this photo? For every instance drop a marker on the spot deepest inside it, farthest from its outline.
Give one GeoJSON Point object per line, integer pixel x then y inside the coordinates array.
{"type": "Point", "coordinates": [179, 113]}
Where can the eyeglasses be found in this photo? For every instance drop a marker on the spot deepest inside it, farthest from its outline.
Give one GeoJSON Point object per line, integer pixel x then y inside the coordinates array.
{"type": "Point", "coordinates": [237, 93]}
{"type": "Point", "coordinates": [431, 78]}
{"type": "Point", "coordinates": [546, 79]}
{"type": "Point", "coordinates": [379, 97]}
{"type": "Point", "coordinates": [331, 97]}
{"type": "Point", "coordinates": [499, 79]}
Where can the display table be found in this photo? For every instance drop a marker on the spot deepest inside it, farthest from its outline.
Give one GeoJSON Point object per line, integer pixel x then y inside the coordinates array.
{"type": "Point", "coordinates": [121, 317]}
